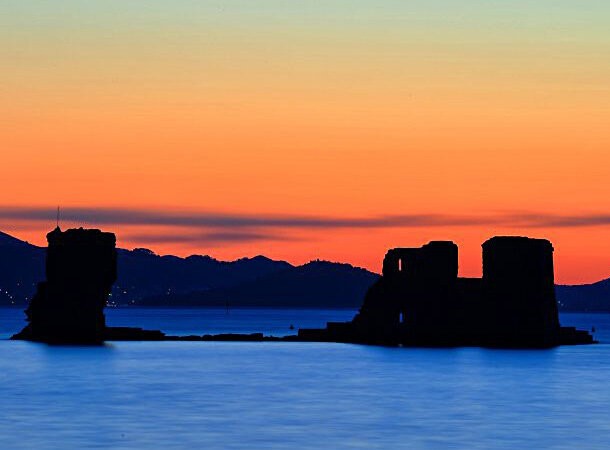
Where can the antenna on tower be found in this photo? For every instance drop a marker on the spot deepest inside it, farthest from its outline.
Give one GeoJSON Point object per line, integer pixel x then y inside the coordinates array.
{"type": "Point", "coordinates": [57, 216]}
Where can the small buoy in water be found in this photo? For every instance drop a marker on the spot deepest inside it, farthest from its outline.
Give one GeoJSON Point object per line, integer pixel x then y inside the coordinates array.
{"type": "Point", "coordinates": [592, 329]}
{"type": "Point", "coordinates": [291, 327]}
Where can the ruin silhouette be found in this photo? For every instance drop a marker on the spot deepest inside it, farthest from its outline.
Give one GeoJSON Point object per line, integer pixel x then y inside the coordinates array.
{"type": "Point", "coordinates": [418, 301]}
{"type": "Point", "coordinates": [81, 266]}
{"type": "Point", "coordinates": [69, 305]}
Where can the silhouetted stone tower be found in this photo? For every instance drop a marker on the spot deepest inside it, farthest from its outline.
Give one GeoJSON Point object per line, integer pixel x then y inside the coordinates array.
{"type": "Point", "coordinates": [425, 284]}
{"type": "Point", "coordinates": [69, 306]}
{"type": "Point", "coordinates": [518, 278]}
{"type": "Point", "coordinates": [416, 291]}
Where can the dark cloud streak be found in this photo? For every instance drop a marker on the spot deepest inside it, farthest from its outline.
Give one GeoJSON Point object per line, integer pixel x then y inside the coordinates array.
{"type": "Point", "coordinates": [236, 221]}
{"type": "Point", "coordinates": [105, 216]}
{"type": "Point", "coordinates": [203, 238]}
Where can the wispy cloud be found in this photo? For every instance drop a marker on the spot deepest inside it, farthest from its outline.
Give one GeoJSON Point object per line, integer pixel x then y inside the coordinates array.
{"type": "Point", "coordinates": [204, 238]}
{"type": "Point", "coordinates": [211, 226]}
{"type": "Point", "coordinates": [529, 220]}
{"type": "Point", "coordinates": [123, 216]}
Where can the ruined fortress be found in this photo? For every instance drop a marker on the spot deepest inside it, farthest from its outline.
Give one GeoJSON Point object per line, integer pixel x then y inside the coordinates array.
{"type": "Point", "coordinates": [420, 300]}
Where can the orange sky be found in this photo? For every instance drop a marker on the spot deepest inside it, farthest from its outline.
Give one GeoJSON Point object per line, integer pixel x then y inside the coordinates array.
{"type": "Point", "coordinates": [312, 109]}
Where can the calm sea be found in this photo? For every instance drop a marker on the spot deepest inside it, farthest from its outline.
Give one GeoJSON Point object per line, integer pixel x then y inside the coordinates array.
{"type": "Point", "coordinates": [207, 395]}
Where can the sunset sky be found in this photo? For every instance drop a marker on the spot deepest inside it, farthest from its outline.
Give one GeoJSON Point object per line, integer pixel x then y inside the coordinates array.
{"type": "Point", "coordinates": [310, 129]}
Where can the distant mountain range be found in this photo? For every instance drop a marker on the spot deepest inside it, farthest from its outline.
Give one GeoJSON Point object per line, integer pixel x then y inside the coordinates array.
{"type": "Point", "coordinates": [143, 274]}
{"type": "Point", "coordinates": [147, 279]}
{"type": "Point", "coordinates": [317, 284]}
{"type": "Point", "coordinates": [585, 297]}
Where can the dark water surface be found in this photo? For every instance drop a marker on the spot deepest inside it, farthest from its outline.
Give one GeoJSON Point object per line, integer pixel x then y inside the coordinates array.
{"type": "Point", "coordinates": [233, 395]}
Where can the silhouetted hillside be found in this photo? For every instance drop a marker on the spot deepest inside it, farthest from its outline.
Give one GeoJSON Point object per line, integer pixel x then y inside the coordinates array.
{"type": "Point", "coordinates": [202, 280]}
{"type": "Point", "coordinates": [587, 297]}
{"type": "Point", "coordinates": [141, 273]}
{"type": "Point", "coordinates": [318, 284]}
{"type": "Point", "coordinates": [21, 268]}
